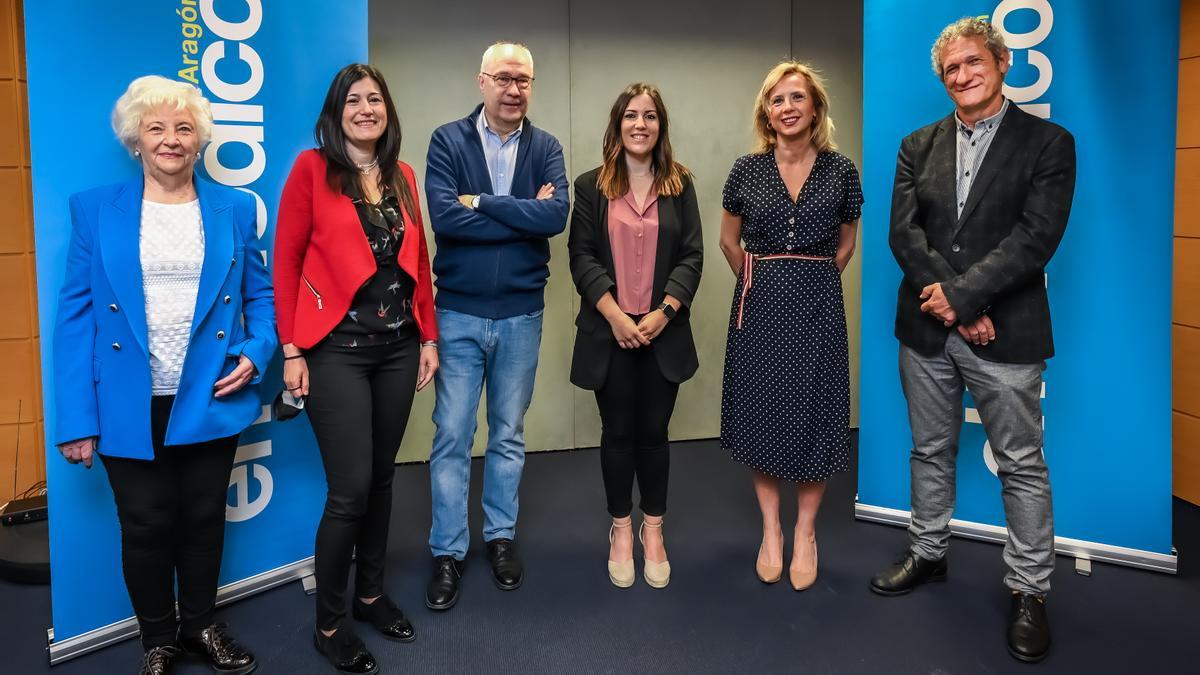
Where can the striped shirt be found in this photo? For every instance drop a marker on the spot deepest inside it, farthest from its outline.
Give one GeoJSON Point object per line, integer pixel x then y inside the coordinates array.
{"type": "Point", "coordinates": [973, 145]}
{"type": "Point", "coordinates": [501, 155]}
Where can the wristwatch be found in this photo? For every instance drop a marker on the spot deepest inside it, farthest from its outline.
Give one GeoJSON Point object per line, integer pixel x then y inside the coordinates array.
{"type": "Point", "coordinates": [475, 202]}
{"type": "Point", "coordinates": [667, 310]}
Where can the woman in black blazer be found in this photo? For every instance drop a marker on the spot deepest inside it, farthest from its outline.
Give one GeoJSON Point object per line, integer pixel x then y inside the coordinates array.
{"type": "Point", "coordinates": [636, 254]}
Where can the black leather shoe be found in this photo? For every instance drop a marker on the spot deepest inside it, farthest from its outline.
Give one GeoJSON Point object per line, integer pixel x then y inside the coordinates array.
{"type": "Point", "coordinates": [386, 617]}
{"type": "Point", "coordinates": [346, 652]}
{"type": "Point", "coordinates": [1028, 628]}
{"type": "Point", "coordinates": [442, 591]}
{"type": "Point", "coordinates": [907, 573]}
{"type": "Point", "coordinates": [158, 660]}
{"type": "Point", "coordinates": [222, 652]}
{"type": "Point", "coordinates": [507, 569]}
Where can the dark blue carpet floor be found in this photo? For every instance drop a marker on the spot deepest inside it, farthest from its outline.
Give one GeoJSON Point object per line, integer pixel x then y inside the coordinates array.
{"type": "Point", "coordinates": [715, 617]}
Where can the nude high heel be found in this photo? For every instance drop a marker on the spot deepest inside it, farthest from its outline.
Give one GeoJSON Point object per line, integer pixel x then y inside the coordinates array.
{"type": "Point", "coordinates": [621, 574]}
{"type": "Point", "coordinates": [657, 574]}
{"type": "Point", "coordinates": [805, 578]}
{"type": "Point", "coordinates": [768, 574]}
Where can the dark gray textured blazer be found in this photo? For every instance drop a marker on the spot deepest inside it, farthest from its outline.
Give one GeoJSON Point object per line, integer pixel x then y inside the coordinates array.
{"type": "Point", "coordinates": [992, 259]}
{"type": "Point", "coordinates": [678, 261]}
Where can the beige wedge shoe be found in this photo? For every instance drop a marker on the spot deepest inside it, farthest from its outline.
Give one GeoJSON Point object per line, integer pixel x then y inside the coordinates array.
{"type": "Point", "coordinates": [657, 574]}
{"type": "Point", "coordinates": [621, 574]}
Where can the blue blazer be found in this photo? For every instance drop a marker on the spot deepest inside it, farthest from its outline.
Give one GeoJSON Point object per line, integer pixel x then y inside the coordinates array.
{"type": "Point", "coordinates": [101, 359]}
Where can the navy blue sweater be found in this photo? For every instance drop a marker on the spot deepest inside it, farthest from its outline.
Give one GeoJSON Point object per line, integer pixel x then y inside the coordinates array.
{"type": "Point", "coordinates": [492, 261]}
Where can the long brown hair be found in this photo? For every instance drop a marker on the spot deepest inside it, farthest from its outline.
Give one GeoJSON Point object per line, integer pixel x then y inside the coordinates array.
{"type": "Point", "coordinates": [340, 172]}
{"type": "Point", "coordinates": [613, 180]}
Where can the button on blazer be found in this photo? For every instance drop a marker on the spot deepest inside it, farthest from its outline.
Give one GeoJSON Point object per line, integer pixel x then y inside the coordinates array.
{"type": "Point", "coordinates": [101, 358]}
{"type": "Point", "coordinates": [991, 259]}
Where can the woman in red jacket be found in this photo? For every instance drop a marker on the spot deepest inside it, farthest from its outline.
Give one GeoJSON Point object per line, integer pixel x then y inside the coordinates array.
{"type": "Point", "coordinates": [356, 322]}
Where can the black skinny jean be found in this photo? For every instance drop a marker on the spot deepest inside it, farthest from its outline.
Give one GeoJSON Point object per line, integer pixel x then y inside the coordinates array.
{"type": "Point", "coordinates": [358, 402]}
{"type": "Point", "coordinates": [635, 404]}
{"type": "Point", "coordinates": [172, 515]}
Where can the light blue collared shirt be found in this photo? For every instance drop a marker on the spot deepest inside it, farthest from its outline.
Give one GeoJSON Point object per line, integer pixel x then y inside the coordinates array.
{"type": "Point", "coordinates": [973, 145]}
{"type": "Point", "coordinates": [501, 156]}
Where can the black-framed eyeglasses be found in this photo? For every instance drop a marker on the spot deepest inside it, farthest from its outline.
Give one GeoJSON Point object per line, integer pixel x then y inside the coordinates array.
{"type": "Point", "coordinates": [506, 81]}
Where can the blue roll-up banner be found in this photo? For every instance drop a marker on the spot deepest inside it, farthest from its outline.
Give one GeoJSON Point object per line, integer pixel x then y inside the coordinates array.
{"type": "Point", "coordinates": [265, 67]}
{"type": "Point", "coordinates": [1105, 70]}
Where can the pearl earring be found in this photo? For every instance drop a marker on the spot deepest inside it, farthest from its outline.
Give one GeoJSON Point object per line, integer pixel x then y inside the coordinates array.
{"type": "Point", "coordinates": [137, 153]}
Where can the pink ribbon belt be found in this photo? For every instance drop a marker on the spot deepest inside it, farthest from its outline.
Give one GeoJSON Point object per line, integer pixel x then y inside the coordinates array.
{"type": "Point", "coordinates": [748, 273]}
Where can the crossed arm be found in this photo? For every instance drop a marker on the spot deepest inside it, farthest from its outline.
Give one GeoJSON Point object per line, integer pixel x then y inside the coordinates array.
{"type": "Point", "coordinates": [499, 218]}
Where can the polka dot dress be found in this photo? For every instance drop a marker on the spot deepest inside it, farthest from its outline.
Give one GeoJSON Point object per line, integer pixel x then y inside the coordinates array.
{"type": "Point", "coordinates": [785, 400]}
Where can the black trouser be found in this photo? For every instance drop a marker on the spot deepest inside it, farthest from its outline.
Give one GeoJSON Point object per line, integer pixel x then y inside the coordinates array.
{"type": "Point", "coordinates": [635, 404]}
{"type": "Point", "coordinates": [358, 403]}
{"type": "Point", "coordinates": [172, 515]}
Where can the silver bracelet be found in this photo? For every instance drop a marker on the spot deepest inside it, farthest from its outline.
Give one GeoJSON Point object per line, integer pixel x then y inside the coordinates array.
{"type": "Point", "coordinates": [430, 343]}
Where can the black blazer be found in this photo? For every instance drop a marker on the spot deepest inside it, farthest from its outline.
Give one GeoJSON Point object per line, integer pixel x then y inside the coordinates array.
{"type": "Point", "coordinates": [677, 265]}
{"type": "Point", "coordinates": [991, 260]}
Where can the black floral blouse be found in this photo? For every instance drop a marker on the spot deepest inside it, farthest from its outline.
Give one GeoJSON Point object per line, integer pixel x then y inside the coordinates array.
{"type": "Point", "coordinates": [382, 310]}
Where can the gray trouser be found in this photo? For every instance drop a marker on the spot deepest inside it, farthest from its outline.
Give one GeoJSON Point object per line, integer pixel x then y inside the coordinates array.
{"type": "Point", "coordinates": [1008, 397]}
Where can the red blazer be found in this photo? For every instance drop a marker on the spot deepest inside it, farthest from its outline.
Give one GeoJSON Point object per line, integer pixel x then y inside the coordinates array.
{"type": "Point", "coordinates": [322, 257]}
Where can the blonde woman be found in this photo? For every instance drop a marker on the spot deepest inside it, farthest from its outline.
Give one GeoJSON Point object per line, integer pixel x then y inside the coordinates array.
{"type": "Point", "coordinates": [791, 211]}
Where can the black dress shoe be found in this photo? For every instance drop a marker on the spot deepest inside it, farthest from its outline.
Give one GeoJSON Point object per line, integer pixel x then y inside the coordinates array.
{"type": "Point", "coordinates": [346, 652]}
{"type": "Point", "coordinates": [222, 652]}
{"type": "Point", "coordinates": [907, 573]}
{"type": "Point", "coordinates": [507, 569]}
{"type": "Point", "coordinates": [1028, 628]}
{"type": "Point", "coordinates": [158, 660]}
{"type": "Point", "coordinates": [442, 591]}
{"type": "Point", "coordinates": [386, 617]}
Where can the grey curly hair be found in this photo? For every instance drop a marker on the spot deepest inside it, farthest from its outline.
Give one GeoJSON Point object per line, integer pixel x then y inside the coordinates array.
{"type": "Point", "coordinates": [968, 26]}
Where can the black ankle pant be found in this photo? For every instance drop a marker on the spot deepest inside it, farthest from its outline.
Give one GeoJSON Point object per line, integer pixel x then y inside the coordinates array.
{"type": "Point", "coordinates": [635, 404]}
{"type": "Point", "coordinates": [358, 402]}
{"type": "Point", "coordinates": [172, 515]}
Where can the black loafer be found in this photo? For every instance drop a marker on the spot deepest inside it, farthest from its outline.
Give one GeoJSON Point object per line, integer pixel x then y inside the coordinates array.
{"type": "Point", "coordinates": [346, 652]}
{"type": "Point", "coordinates": [1028, 628]}
{"type": "Point", "coordinates": [158, 660]}
{"type": "Point", "coordinates": [910, 571]}
{"type": "Point", "coordinates": [442, 591]}
{"type": "Point", "coordinates": [387, 618]}
{"type": "Point", "coordinates": [223, 653]}
{"type": "Point", "coordinates": [507, 569]}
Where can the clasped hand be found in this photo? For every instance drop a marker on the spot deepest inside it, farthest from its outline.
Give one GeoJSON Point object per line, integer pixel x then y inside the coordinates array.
{"type": "Point", "coordinates": [979, 332]}
{"type": "Point", "coordinates": [630, 335]}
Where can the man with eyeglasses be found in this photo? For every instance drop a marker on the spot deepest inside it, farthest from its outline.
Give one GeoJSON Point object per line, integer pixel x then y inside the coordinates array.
{"type": "Point", "coordinates": [497, 191]}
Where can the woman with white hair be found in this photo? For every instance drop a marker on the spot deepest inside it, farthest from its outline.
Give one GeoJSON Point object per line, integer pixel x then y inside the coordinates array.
{"type": "Point", "coordinates": [165, 325]}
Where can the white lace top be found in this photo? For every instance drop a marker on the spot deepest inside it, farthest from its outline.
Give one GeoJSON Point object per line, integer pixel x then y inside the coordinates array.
{"type": "Point", "coordinates": [172, 254]}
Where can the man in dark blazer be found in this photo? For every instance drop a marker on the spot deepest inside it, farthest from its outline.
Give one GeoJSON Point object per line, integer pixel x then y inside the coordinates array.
{"type": "Point", "coordinates": [980, 203]}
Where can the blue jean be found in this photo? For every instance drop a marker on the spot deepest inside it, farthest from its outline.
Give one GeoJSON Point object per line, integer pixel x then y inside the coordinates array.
{"type": "Point", "coordinates": [501, 354]}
